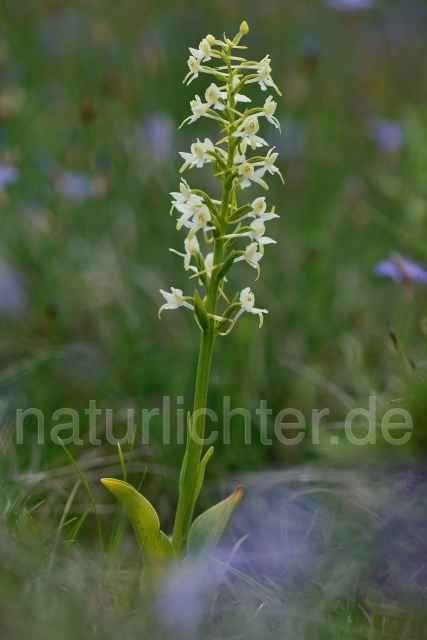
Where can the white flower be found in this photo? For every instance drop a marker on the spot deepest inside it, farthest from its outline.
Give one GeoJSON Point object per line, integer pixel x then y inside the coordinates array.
{"type": "Point", "coordinates": [198, 108]}
{"type": "Point", "coordinates": [251, 256]}
{"type": "Point", "coordinates": [183, 196]}
{"type": "Point", "coordinates": [194, 66]}
{"type": "Point", "coordinates": [268, 163]}
{"type": "Point", "coordinates": [269, 110]}
{"type": "Point", "coordinates": [188, 209]}
{"type": "Point", "coordinates": [247, 300]}
{"type": "Point", "coordinates": [191, 248]}
{"type": "Point", "coordinates": [198, 155]}
{"type": "Point", "coordinates": [248, 174]}
{"type": "Point", "coordinates": [174, 300]}
{"type": "Point", "coordinates": [263, 74]}
{"type": "Point", "coordinates": [204, 52]}
{"type": "Point", "coordinates": [213, 96]}
{"type": "Point", "coordinates": [201, 218]}
{"type": "Point", "coordinates": [259, 207]}
{"type": "Point", "coordinates": [248, 130]}
{"type": "Point", "coordinates": [257, 232]}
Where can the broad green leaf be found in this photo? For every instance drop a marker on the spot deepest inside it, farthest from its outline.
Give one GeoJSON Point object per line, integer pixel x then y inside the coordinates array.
{"type": "Point", "coordinates": [157, 550]}
{"type": "Point", "coordinates": [208, 528]}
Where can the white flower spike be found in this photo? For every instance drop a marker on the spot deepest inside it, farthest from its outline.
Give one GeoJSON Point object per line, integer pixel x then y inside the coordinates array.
{"type": "Point", "coordinates": [237, 167]}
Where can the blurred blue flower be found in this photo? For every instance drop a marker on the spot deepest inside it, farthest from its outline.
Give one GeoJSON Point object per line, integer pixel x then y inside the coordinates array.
{"type": "Point", "coordinates": [8, 175]}
{"type": "Point", "coordinates": [350, 5]}
{"type": "Point", "coordinates": [388, 134]}
{"type": "Point", "coordinates": [12, 293]}
{"type": "Point", "coordinates": [401, 270]}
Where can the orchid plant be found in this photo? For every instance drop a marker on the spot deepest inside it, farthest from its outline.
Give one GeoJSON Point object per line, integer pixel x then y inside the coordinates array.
{"type": "Point", "coordinates": [223, 226]}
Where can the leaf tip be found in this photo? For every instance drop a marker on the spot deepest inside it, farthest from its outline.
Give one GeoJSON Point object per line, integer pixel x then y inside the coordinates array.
{"type": "Point", "coordinates": [237, 494]}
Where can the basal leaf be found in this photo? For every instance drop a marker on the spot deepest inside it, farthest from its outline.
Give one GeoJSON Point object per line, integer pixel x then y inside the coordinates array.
{"type": "Point", "coordinates": [157, 549]}
{"type": "Point", "coordinates": [208, 528]}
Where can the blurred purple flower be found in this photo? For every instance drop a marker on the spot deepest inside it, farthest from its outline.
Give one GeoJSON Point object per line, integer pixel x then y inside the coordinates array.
{"type": "Point", "coordinates": [350, 5]}
{"type": "Point", "coordinates": [8, 175]}
{"type": "Point", "coordinates": [401, 270]}
{"type": "Point", "coordinates": [157, 133]}
{"type": "Point", "coordinates": [12, 293]}
{"type": "Point", "coordinates": [181, 602]}
{"type": "Point", "coordinates": [388, 134]}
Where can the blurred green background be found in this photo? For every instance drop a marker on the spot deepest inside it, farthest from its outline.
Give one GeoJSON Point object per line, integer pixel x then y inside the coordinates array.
{"type": "Point", "coordinates": [91, 97]}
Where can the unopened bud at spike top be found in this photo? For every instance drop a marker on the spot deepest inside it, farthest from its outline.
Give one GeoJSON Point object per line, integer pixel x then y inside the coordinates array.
{"type": "Point", "coordinates": [244, 28]}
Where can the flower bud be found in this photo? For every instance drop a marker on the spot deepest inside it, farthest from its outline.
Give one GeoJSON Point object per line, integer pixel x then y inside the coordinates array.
{"type": "Point", "coordinates": [210, 39]}
{"type": "Point", "coordinates": [244, 28]}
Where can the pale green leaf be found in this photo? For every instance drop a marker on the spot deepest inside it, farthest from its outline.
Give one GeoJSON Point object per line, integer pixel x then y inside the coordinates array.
{"type": "Point", "coordinates": [208, 528]}
{"type": "Point", "coordinates": [157, 549]}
